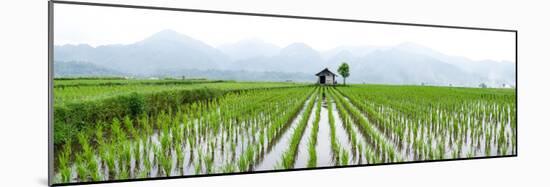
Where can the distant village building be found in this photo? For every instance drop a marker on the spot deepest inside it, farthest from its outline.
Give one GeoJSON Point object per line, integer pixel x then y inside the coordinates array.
{"type": "Point", "coordinates": [326, 77]}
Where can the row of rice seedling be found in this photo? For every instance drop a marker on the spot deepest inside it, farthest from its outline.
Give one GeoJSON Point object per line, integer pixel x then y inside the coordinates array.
{"type": "Point", "coordinates": [391, 130]}
{"type": "Point", "coordinates": [241, 134]}
{"type": "Point", "coordinates": [312, 143]}
{"type": "Point", "coordinates": [340, 155]}
{"type": "Point", "coordinates": [462, 122]}
{"type": "Point", "coordinates": [269, 157]}
{"type": "Point", "coordinates": [268, 135]}
{"type": "Point", "coordinates": [357, 142]}
{"type": "Point", "coordinates": [289, 156]}
{"type": "Point", "coordinates": [384, 148]}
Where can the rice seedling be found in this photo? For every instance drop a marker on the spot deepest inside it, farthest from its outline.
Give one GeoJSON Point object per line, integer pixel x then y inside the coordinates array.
{"type": "Point", "coordinates": [228, 168]}
{"type": "Point", "coordinates": [93, 167]}
{"type": "Point", "coordinates": [136, 150]}
{"type": "Point", "coordinates": [109, 158]}
{"type": "Point", "coordinates": [179, 154]}
{"type": "Point", "coordinates": [344, 157]}
{"type": "Point", "coordinates": [166, 164]}
{"type": "Point", "coordinates": [81, 168]}
{"type": "Point", "coordinates": [116, 132]}
{"type": "Point", "coordinates": [209, 164]}
{"type": "Point", "coordinates": [83, 141]}
{"type": "Point", "coordinates": [123, 173]}
{"type": "Point", "coordinates": [142, 174]}
{"type": "Point", "coordinates": [129, 126]}
{"type": "Point", "coordinates": [198, 167]}
{"type": "Point", "coordinates": [312, 161]}
{"type": "Point", "coordinates": [65, 170]}
{"type": "Point", "coordinates": [247, 159]}
{"type": "Point", "coordinates": [165, 141]}
{"type": "Point", "coordinates": [146, 160]}
{"type": "Point", "coordinates": [99, 136]}
{"type": "Point", "coordinates": [126, 155]}
{"type": "Point", "coordinates": [163, 160]}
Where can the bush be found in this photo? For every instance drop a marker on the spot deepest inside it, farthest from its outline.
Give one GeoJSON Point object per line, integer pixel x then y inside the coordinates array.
{"type": "Point", "coordinates": [63, 132]}
{"type": "Point", "coordinates": [135, 103]}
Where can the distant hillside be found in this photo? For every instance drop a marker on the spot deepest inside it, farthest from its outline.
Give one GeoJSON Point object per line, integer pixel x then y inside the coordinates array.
{"type": "Point", "coordinates": [171, 53]}
{"type": "Point", "coordinates": [81, 69]}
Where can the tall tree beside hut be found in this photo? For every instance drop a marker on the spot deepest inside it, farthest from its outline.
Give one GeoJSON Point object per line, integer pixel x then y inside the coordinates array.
{"type": "Point", "coordinates": [343, 70]}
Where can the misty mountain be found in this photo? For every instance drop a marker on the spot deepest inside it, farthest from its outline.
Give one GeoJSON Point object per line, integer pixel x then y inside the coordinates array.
{"type": "Point", "coordinates": [394, 66]}
{"type": "Point", "coordinates": [294, 58]}
{"type": "Point", "coordinates": [164, 50]}
{"type": "Point", "coordinates": [352, 50]}
{"type": "Point", "coordinates": [495, 72]}
{"type": "Point", "coordinates": [80, 69]}
{"type": "Point", "coordinates": [249, 48]}
{"type": "Point", "coordinates": [168, 53]}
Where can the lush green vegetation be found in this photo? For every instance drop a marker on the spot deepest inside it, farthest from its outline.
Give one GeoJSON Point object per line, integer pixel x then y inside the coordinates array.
{"type": "Point", "coordinates": [80, 108]}
{"type": "Point", "coordinates": [76, 90]}
{"type": "Point", "coordinates": [110, 129]}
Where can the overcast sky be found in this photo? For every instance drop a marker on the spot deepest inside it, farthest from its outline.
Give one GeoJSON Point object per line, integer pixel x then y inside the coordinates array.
{"type": "Point", "coordinates": [77, 24]}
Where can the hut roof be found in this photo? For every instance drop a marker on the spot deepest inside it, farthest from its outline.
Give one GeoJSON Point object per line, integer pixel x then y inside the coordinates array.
{"type": "Point", "coordinates": [325, 72]}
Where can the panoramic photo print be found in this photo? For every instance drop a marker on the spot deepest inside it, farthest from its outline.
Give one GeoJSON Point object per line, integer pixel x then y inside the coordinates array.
{"type": "Point", "coordinates": [141, 93]}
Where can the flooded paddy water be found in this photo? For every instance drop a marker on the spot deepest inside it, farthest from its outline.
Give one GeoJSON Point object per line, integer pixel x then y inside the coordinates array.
{"type": "Point", "coordinates": [252, 131]}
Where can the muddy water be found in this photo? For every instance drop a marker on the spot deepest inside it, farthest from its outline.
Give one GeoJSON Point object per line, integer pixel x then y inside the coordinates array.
{"type": "Point", "coordinates": [273, 157]}
{"type": "Point", "coordinates": [302, 156]}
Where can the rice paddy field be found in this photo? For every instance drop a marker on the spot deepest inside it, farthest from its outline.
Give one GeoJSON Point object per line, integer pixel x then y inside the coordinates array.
{"type": "Point", "coordinates": [116, 129]}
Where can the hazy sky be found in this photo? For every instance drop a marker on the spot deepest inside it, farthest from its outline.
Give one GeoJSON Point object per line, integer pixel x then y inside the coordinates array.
{"type": "Point", "coordinates": [76, 24]}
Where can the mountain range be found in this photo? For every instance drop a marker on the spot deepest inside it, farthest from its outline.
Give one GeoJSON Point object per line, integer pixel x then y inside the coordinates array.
{"type": "Point", "coordinates": [169, 53]}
